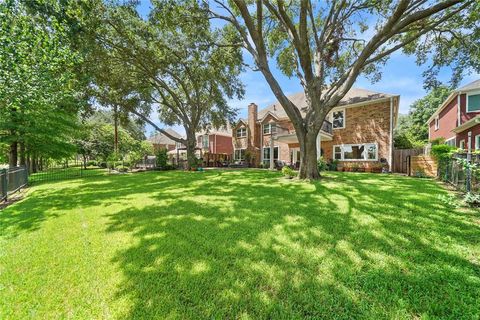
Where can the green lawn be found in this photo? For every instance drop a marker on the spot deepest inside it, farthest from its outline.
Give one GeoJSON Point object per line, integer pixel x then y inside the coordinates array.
{"type": "Point", "coordinates": [238, 244]}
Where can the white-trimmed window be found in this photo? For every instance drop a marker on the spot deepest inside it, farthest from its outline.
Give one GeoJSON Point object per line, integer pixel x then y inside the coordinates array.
{"type": "Point", "coordinates": [241, 132]}
{"type": "Point", "coordinates": [477, 142]}
{"type": "Point", "coordinates": [239, 154]}
{"type": "Point", "coordinates": [205, 141]}
{"type": "Point", "coordinates": [266, 154]}
{"type": "Point", "coordinates": [356, 152]}
{"type": "Point", "coordinates": [462, 144]}
{"type": "Point", "coordinates": [338, 119]}
{"type": "Point", "coordinates": [269, 128]}
{"type": "Point", "coordinates": [473, 102]}
{"type": "Point", "coordinates": [437, 124]}
{"type": "Point", "coordinates": [451, 142]}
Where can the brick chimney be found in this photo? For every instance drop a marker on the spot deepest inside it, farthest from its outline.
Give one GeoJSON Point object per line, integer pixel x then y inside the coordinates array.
{"type": "Point", "coordinates": [252, 124]}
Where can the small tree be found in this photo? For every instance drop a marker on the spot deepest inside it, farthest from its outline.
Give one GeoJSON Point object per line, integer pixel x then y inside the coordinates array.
{"type": "Point", "coordinates": [161, 158]}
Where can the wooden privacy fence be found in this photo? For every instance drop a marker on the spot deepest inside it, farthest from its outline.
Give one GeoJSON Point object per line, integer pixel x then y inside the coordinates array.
{"type": "Point", "coordinates": [401, 158]}
{"type": "Point", "coordinates": [423, 166]}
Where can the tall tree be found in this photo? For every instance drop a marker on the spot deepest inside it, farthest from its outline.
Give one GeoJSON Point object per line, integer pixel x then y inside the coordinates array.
{"type": "Point", "coordinates": [324, 45]}
{"type": "Point", "coordinates": [38, 97]}
{"type": "Point", "coordinates": [171, 63]}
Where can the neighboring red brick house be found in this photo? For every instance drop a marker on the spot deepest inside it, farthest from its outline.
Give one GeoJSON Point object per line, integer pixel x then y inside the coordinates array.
{"type": "Point", "coordinates": [161, 141]}
{"type": "Point", "coordinates": [457, 120]}
{"type": "Point", "coordinates": [215, 141]}
{"type": "Point", "coordinates": [359, 130]}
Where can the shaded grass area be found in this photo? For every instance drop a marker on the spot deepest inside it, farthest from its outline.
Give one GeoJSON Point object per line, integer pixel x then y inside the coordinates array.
{"type": "Point", "coordinates": [238, 244]}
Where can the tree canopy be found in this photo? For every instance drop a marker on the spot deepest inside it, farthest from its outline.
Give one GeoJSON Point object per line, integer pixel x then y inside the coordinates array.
{"type": "Point", "coordinates": [170, 63]}
{"type": "Point", "coordinates": [328, 45]}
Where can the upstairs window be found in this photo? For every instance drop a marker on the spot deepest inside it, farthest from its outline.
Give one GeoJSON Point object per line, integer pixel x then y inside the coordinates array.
{"type": "Point", "coordinates": [473, 102]}
{"type": "Point", "coordinates": [269, 128]}
{"type": "Point", "coordinates": [241, 132]}
{"type": "Point", "coordinates": [437, 125]}
{"type": "Point", "coordinates": [338, 119]}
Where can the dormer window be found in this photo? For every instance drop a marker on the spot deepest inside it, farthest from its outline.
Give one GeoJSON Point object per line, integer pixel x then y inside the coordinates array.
{"type": "Point", "coordinates": [269, 128]}
{"type": "Point", "coordinates": [241, 132]}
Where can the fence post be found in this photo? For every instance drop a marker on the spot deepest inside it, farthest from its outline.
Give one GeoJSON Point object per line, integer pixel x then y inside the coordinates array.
{"type": "Point", "coordinates": [469, 173]}
{"type": "Point", "coordinates": [4, 183]}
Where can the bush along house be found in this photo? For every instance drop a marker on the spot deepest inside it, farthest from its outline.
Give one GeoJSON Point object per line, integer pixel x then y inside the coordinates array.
{"type": "Point", "coordinates": [457, 119]}
{"type": "Point", "coordinates": [358, 133]}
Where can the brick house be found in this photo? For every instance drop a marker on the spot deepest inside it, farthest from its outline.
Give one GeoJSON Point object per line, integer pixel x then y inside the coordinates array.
{"type": "Point", "coordinates": [215, 141]}
{"type": "Point", "coordinates": [457, 119]}
{"type": "Point", "coordinates": [161, 141]}
{"type": "Point", "coordinates": [359, 130]}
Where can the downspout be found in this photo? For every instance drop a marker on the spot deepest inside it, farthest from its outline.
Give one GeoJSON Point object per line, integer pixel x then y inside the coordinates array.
{"type": "Point", "coordinates": [391, 135]}
{"type": "Point", "coordinates": [459, 120]}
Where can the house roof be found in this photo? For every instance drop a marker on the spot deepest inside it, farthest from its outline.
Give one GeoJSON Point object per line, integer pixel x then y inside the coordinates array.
{"type": "Point", "coordinates": [475, 85]}
{"type": "Point", "coordinates": [353, 96]}
{"type": "Point", "coordinates": [222, 131]}
{"type": "Point", "coordinates": [160, 138]}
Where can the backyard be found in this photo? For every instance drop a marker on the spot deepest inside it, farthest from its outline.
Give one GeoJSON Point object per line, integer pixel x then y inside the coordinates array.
{"type": "Point", "coordinates": [238, 244]}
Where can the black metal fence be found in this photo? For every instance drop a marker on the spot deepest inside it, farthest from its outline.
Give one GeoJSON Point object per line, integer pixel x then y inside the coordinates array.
{"type": "Point", "coordinates": [462, 171]}
{"type": "Point", "coordinates": [63, 173]}
{"type": "Point", "coordinates": [12, 180]}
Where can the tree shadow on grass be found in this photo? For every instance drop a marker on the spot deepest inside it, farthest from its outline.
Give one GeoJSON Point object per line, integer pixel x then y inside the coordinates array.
{"type": "Point", "coordinates": [246, 244]}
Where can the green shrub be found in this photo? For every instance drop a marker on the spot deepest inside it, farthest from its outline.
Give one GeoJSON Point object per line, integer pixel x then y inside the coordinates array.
{"type": "Point", "coordinates": [102, 164]}
{"type": "Point", "coordinates": [420, 173]}
{"type": "Point", "coordinates": [472, 199]}
{"type": "Point", "coordinates": [438, 141]}
{"type": "Point", "coordinates": [322, 164]}
{"type": "Point", "coordinates": [333, 165]}
{"type": "Point", "coordinates": [121, 168]}
{"type": "Point", "coordinates": [161, 158]}
{"type": "Point", "coordinates": [449, 200]}
{"type": "Point", "coordinates": [288, 172]}
{"type": "Point", "coordinates": [91, 163]}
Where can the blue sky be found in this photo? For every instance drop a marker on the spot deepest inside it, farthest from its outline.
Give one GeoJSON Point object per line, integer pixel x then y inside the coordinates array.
{"type": "Point", "coordinates": [401, 75]}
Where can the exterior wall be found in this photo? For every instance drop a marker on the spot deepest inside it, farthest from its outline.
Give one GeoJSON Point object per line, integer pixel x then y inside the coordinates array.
{"type": "Point", "coordinates": [365, 124]}
{"type": "Point", "coordinates": [158, 146]}
{"type": "Point", "coordinates": [447, 121]}
{"type": "Point", "coordinates": [220, 144]}
{"type": "Point", "coordinates": [284, 126]}
{"type": "Point", "coordinates": [475, 130]}
{"type": "Point", "coordinates": [464, 115]}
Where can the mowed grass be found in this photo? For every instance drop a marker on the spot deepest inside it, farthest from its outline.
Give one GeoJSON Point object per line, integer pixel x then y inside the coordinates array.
{"type": "Point", "coordinates": [238, 245]}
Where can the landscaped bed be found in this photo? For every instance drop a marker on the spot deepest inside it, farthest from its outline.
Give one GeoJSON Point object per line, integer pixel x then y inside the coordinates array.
{"type": "Point", "coordinates": [238, 244]}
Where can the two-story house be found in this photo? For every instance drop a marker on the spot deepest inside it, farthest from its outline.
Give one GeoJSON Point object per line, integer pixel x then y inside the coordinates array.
{"type": "Point", "coordinates": [161, 141]}
{"type": "Point", "coordinates": [358, 130]}
{"type": "Point", "coordinates": [457, 119]}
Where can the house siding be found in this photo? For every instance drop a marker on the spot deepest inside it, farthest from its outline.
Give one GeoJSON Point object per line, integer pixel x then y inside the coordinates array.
{"type": "Point", "coordinates": [475, 130]}
{"type": "Point", "coordinates": [364, 124]}
{"type": "Point", "coordinates": [447, 121]}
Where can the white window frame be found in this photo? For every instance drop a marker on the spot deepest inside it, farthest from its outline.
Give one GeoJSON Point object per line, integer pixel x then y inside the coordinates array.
{"type": "Point", "coordinates": [205, 141]}
{"type": "Point", "coordinates": [437, 123]}
{"type": "Point", "coordinates": [460, 144]}
{"type": "Point", "coordinates": [235, 154]}
{"type": "Point", "coordinates": [268, 159]}
{"type": "Point", "coordinates": [243, 132]}
{"type": "Point", "coordinates": [343, 110]}
{"type": "Point", "coordinates": [474, 93]}
{"type": "Point", "coordinates": [342, 156]}
{"type": "Point", "coordinates": [269, 125]}
{"type": "Point", "coordinates": [448, 142]}
{"type": "Point", "coordinates": [477, 142]}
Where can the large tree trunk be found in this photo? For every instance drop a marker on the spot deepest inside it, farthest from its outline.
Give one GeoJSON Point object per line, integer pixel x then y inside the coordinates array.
{"type": "Point", "coordinates": [308, 155]}
{"type": "Point", "coordinates": [23, 158]}
{"type": "Point", "coordinates": [191, 143]}
{"type": "Point", "coordinates": [13, 154]}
